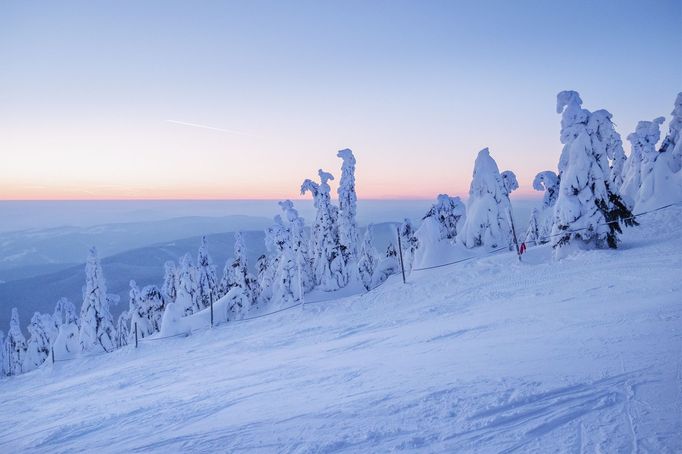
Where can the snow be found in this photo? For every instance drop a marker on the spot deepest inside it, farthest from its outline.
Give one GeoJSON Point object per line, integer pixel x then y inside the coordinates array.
{"type": "Point", "coordinates": [489, 355]}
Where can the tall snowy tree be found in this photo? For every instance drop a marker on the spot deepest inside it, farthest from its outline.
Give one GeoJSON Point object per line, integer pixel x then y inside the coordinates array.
{"type": "Point", "coordinates": [263, 279]}
{"type": "Point", "coordinates": [329, 265]}
{"type": "Point", "coordinates": [146, 309]}
{"type": "Point", "coordinates": [2, 354]}
{"type": "Point", "coordinates": [97, 330]}
{"type": "Point", "coordinates": [286, 287]}
{"type": "Point", "coordinates": [448, 213]}
{"type": "Point", "coordinates": [588, 212]}
{"type": "Point", "coordinates": [368, 260]}
{"type": "Point", "coordinates": [38, 347]}
{"type": "Point", "coordinates": [533, 233]}
{"type": "Point", "coordinates": [409, 243]}
{"type": "Point", "coordinates": [187, 296]}
{"type": "Point", "coordinates": [542, 220]}
{"type": "Point", "coordinates": [15, 346]}
{"type": "Point", "coordinates": [673, 140]}
{"type": "Point", "coordinates": [660, 185]}
{"type": "Point", "coordinates": [123, 330]}
{"type": "Point", "coordinates": [608, 142]}
{"type": "Point", "coordinates": [65, 317]}
{"type": "Point", "coordinates": [299, 245]}
{"type": "Point", "coordinates": [348, 228]}
{"type": "Point", "coordinates": [170, 281]}
{"type": "Point", "coordinates": [207, 283]}
{"type": "Point", "coordinates": [548, 182]}
{"type": "Point", "coordinates": [236, 272]}
{"type": "Point", "coordinates": [488, 208]}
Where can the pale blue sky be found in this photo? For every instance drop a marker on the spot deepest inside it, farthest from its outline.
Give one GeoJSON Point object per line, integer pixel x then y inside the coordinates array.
{"type": "Point", "coordinates": [414, 88]}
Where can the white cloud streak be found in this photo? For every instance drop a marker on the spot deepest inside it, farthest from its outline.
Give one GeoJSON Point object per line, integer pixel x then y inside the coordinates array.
{"type": "Point", "coordinates": [195, 125]}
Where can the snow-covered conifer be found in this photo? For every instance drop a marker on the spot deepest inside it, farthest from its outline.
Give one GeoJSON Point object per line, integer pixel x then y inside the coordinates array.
{"type": "Point", "coordinates": [607, 141]}
{"type": "Point", "coordinates": [123, 330]}
{"type": "Point", "coordinates": [348, 229]}
{"type": "Point", "coordinates": [368, 259]}
{"type": "Point", "coordinates": [170, 281]}
{"type": "Point", "coordinates": [548, 182]}
{"type": "Point", "coordinates": [388, 265]}
{"type": "Point", "coordinates": [67, 321]}
{"type": "Point", "coordinates": [187, 296]}
{"type": "Point", "coordinates": [449, 213]}
{"type": "Point", "coordinates": [299, 245]}
{"type": "Point", "coordinates": [236, 272]}
{"type": "Point", "coordinates": [38, 347]}
{"type": "Point", "coordinates": [409, 243]}
{"type": "Point", "coordinates": [146, 309]}
{"type": "Point", "coordinates": [660, 185]}
{"type": "Point", "coordinates": [263, 279]}
{"type": "Point", "coordinates": [2, 354]}
{"type": "Point", "coordinates": [673, 140]}
{"type": "Point", "coordinates": [15, 346]}
{"type": "Point", "coordinates": [207, 284]}
{"type": "Point", "coordinates": [97, 330]}
{"type": "Point", "coordinates": [533, 233]}
{"type": "Point", "coordinates": [329, 265]}
{"type": "Point", "coordinates": [588, 211]}
{"type": "Point", "coordinates": [488, 208]}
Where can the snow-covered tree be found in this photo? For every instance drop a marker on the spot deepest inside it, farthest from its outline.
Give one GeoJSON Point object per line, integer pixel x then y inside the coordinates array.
{"type": "Point", "coordinates": [533, 233]}
{"type": "Point", "coordinates": [488, 208]}
{"type": "Point", "coordinates": [348, 228]}
{"type": "Point", "coordinates": [146, 309]}
{"type": "Point", "coordinates": [170, 281]}
{"type": "Point", "coordinates": [368, 259]}
{"type": "Point", "coordinates": [673, 140]}
{"type": "Point", "coordinates": [64, 312]}
{"type": "Point", "coordinates": [284, 277]}
{"type": "Point", "coordinates": [548, 182]}
{"type": "Point", "coordinates": [660, 185]}
{"type": "Point", "coordinates": [299, 245]}
{"type": "Point", "coordinates": [541, 221]}
{"type": "Point", "coordinates": [97, 330]}
{"type": "Point", "coordinates": [15, 346]}
{"type": "Point", "coordinates": [67, 322]}
{"type": "Point", "coordinates": [123, 331]}
{"type": "Point", "coordinates": [187, 296]}
{"type": "Point", "coordinates": [388, 265]}
{"type": "Point", "coordinates": [207, 284]}
{"type": "Point", "coordinates": [588, 211]}
{"type": "Point", "coordinates": [38, 347]}
{"type": "Point", "coordinates": [448, 212]}
{"type": "Point", "coordinates": [2, 354]}
{"type": "Point", "coordinates": [608, 142]}
{"type": "Point", "coordinates": [264, 278]}
{"type": "Point", "coordinates": [409, 243]}
{"type": "Point", "coordinates": [329, 265]}
{"type": "Point", "coordinates": [236, 272]}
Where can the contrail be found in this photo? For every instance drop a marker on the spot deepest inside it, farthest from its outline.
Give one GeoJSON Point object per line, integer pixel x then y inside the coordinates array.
{"type": "Point", "coordinates": [229, 131]}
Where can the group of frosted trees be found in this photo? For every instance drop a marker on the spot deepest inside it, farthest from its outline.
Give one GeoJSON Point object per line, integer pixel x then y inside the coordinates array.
{"type": "Point", "coordinates": [597, 187]}
{"type": "Point", "coordinates": [592, 194]}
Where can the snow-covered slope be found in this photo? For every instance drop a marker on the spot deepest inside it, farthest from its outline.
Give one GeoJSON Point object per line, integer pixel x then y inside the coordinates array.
{"type": "Point", "coordinates": [490, 355]}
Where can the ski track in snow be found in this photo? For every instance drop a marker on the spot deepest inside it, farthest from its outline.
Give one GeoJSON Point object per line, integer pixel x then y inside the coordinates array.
{"type": "Point", "coordinates": [492, 355]}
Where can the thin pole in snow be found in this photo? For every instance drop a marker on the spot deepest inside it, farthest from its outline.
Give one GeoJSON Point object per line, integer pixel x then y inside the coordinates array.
{"type": "Point", "coordinates": [211, 311]}
{"type": "Point", "coordinates": [516, 241]}
{"type": "Point", "coordinates": [400, 249]}
{"type": "Point", "coordinates": [52, 354]}
{"type": "Point", "coordinates": [135, 334]}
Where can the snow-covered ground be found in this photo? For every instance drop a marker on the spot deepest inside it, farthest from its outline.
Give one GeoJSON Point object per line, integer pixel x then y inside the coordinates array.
{"type": "Point", "coordinates": [490, 355]}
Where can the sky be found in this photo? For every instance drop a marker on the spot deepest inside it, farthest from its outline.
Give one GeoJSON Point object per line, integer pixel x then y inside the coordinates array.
{"type": "Point", "coordinates": [241, 100]}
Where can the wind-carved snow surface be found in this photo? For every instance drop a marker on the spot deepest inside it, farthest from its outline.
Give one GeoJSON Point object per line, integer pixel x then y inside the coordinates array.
{"type": "Point", "coordinates": [491, 355]}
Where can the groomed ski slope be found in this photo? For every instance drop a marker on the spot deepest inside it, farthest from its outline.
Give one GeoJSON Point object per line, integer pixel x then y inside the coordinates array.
{"type": "Point", "coordinates": [491, 355]}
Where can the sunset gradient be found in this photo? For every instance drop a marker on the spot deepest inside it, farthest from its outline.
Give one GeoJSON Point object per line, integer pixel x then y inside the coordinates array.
{"type": "Point", "coordinates": [244, 100]}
